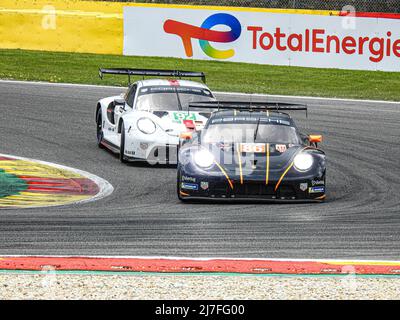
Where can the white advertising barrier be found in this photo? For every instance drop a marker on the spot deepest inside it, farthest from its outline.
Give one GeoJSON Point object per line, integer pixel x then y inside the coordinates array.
{"type": "Point", "coordinates": [307, 40]}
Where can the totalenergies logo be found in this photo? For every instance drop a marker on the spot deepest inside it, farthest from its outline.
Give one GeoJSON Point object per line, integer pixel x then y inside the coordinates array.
{"type": "Point", "coordinates": [205, 35]}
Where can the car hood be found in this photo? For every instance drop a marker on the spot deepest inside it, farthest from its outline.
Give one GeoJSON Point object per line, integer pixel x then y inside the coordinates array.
{"type": "Point", "coordinates": [176, 122]}
{"type": "Point", "coordinates": [255, 156]}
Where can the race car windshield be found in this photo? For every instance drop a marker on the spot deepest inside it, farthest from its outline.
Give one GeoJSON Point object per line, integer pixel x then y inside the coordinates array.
{"type": "Point", "coordinates": [248, 133]}
{"type": "Point", "coordinates": [170, 98]}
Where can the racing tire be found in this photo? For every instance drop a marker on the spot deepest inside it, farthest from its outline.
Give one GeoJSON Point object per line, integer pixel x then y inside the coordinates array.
{"type": "Point", "coordinates": [99, 129]}
{"type": "Point", "coordinates": [122, 148]}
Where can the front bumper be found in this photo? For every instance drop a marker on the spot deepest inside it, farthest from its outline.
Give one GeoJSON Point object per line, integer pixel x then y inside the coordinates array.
{"type": "Point", "coordinates": [250, 200]}
{"type": "Point", "coordinates": [219, 189]}
{"type": "Point", "coordinates": [159, 154]}
{"type": "Point", "coordinates": [144, 148]}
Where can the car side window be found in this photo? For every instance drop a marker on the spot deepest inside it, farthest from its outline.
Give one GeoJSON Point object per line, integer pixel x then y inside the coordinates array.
{"type": "Point", "coordinates": [131, 95]}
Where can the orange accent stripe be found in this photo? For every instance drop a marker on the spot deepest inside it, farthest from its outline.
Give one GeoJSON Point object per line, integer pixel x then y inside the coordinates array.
{"type": "Point", "coordinates": [267, 173]}
{"type": "Point", "coordinates": [240, 164]}
{"type": "Point", "coordinates": [183, 193]}
{"type": "Point", "coordinates": [226, 175]}
{"type": "Point", "coordinates": [291, 165]}
{"type": "Point", "coordinates": [283, 175]}
{"type": "Point", "coordinates": [321, 197]}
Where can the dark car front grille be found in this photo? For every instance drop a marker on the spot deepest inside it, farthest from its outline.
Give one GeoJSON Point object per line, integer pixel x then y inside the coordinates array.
{"type": "Point", "coordinates": [253, 190]}
{"type": "Point", "coordinates": [286, 191]}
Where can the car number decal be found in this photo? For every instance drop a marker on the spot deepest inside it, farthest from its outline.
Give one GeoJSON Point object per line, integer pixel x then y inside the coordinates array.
{"type": "Point", "coordinates": [180, 116]}
{"type": "Point", "coordinates": [252, 147]}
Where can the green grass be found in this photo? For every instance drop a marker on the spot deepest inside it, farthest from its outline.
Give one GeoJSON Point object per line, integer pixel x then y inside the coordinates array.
{"type": "Point", "coordinates": [221, 76]}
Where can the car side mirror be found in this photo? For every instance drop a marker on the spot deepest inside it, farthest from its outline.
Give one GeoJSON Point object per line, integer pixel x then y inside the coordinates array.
{"type": "Point", "coordinates": [185, 136]}
{"type": "Point", "coordinates": [314, 139]}
{"type": "Point", "coordinates": [119, 101]}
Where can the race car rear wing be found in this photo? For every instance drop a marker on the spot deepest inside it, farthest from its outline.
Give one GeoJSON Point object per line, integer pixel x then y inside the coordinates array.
{"type": "Point", "coordinates": [249, 105]}
{"type": "Point", "coordinates": [152, 73]}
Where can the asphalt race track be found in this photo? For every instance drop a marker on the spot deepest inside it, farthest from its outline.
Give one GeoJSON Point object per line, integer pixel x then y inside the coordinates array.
{"type": "Point", "coordinates": [143, 217]}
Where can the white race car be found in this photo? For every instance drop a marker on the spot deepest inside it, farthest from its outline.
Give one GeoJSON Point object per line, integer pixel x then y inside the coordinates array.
{"type": "Point", "coordinates": [145, 123]}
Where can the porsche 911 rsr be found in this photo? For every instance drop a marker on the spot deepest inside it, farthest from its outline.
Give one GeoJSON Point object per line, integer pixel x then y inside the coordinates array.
{"type": "Point", "coordinates": [251, 151]}
{"type": "Point", "coordinates": [146, 121]}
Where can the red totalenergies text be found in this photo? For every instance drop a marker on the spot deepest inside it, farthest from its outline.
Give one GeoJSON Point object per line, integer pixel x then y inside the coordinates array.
{"type": "Point", "coordinates": [317, 41]}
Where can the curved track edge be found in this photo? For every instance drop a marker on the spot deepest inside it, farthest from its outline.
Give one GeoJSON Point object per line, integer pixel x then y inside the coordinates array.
{"type": "Point", "coordinates": [104, 187]}
{"type": "Point", "coordinates": [193, 265]}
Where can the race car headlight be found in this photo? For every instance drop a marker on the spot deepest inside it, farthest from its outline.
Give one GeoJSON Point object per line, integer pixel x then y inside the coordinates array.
{"type": "Point", "coordinates": [146, 125]}
{"type": "Point", "coordinates": [303, 161]}
{"type": "Point", "coordinates": [204, 158]}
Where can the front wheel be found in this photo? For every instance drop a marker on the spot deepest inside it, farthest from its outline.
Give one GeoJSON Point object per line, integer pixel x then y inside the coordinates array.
{"type": "Point", "coordinates": [122, 147]}
{"type": "Point", "coordinates": [99, 129]}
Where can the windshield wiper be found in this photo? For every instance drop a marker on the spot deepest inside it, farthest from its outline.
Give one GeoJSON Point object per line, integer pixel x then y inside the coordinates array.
{"type": "Point", "coordinates": [256, 131]}
{"type": "Point", "coordinates": [179, 99]}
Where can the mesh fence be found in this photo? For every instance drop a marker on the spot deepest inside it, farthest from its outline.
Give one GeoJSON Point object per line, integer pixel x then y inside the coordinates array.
{"type": "Point", "coordinates": [392, 6]}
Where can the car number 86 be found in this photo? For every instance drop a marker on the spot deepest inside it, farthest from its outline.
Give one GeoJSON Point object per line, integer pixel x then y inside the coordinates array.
{"type": "Point", "coordinates": [252, 147]}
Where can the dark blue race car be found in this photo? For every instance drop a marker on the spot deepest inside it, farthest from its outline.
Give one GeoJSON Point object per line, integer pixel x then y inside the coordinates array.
{"type": "Point", "coordinates": [250, 151]}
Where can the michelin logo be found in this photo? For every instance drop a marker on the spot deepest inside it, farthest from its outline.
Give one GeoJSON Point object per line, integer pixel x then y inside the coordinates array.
{"type": "Point", "coordinates": [316, 190]}
{"type": "Point", "coordinates": [189, 186]}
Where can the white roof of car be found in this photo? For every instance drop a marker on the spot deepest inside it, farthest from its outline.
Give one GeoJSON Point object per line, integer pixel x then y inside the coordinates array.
{"type": "Point", "coordinates": [171, 82]}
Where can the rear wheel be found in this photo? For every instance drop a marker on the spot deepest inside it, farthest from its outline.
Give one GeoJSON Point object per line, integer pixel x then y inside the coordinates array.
{"type": "Point", "coordinates": [99, 129]}
{"type": "Point", "coordinates": [122, 147]}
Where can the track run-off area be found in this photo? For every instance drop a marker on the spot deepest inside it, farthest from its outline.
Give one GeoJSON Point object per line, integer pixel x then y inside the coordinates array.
{"type": "Point", "coordinates": [143, 216]}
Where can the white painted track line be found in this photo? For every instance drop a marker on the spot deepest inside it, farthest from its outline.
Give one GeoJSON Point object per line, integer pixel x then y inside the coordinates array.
{"type": "Point", "coordinates": [219, 93]}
